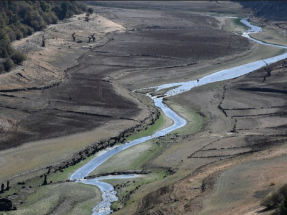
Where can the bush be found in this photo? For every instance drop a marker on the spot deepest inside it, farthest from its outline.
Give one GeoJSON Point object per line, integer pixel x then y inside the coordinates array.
{"type": "Point", "coordinates": [90, 10]}
{"type": "Point", "coordinates": [8, 64]}
{"type": "Point", "coordinates": [18, 57]}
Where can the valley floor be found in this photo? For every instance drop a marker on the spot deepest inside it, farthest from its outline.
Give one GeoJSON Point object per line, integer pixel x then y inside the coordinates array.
{"type": "Point", "coordinates": [70, 96]}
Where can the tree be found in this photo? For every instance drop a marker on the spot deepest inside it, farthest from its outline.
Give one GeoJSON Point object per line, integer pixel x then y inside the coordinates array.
{"type": "Point", "coordinates": [58, 11]}
{"type": "Point", "coordinates": [19, 19]}
{"type": "Point", "coordinates": [45, 6]}
{"type": "Point", "coordinates": [90, 10]}
{"type": "Point", "coordinates": [283, 207]}
{"type": "Point", "coordinates": [64, 7]}
{"type": "Point", "coordinates": [6, 48]}
{"type": "Point", "coordinates": [19, 34]}
{"type": "Point", "coordinates": [82, 6]}
{"type": "Point", "coordinates": [8, 64]}
{"type": "Point", "coordinates": [11, 34]}
{"type": "Point", "coordinates": [23, 28]}
{"type": "Point", "coordinates": [28, 16]}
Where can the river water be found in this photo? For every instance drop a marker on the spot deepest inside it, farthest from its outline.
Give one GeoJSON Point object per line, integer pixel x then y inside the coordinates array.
{"type": "Point", "coordinates": [108, 192]}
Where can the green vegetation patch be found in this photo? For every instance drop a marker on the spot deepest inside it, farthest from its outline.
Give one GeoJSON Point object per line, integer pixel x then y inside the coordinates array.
{"type": "Point", "coordinates": [69, 198]}
{"type": "Point", "coordinates": [133, 158]}
{"type": "Point", "coordinates": [159, 124]}
{"type": "Point", "coordinates": [126, 187]}
{"type": "Point", "coordinates": [66, 174]}
{"type": "Point", "coordinates": [20, 19]}
{"type": "Point", "coordinates": [234, 24]}
{"type": "Point", "coordinates": [195, 119]}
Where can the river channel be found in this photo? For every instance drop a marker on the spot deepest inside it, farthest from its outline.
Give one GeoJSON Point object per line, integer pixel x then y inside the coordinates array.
{"type": "Point", "coordinates": [108, 192]}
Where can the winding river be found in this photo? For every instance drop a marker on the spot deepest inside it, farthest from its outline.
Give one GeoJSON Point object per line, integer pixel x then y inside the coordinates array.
{"type": "Point", "coordinates": [108, 192]}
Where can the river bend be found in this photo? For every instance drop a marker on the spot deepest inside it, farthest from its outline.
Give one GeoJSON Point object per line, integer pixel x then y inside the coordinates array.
{"type": "Point", "coordinates": [108, 192]}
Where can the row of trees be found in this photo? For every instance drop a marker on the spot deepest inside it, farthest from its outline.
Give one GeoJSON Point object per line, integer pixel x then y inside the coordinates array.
{"type": "Point", "coordinates": [19, 19]}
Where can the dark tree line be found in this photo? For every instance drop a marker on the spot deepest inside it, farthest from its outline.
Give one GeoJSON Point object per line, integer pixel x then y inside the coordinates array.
{"type": "Point", "coordinates": [19, 19]}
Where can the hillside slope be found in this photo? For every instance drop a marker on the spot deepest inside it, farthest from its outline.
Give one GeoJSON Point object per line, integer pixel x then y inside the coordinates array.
{"type": "Point", "coordinates": [270, 10]}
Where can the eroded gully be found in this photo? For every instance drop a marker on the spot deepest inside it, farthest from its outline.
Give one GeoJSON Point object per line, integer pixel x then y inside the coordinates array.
{"type": "Point", "coordinates": [108, 192]}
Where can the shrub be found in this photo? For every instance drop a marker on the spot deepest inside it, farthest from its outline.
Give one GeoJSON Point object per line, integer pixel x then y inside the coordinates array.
{"type": "Point", "coordinates": [18, 57]}
{"type": "Point", "coordinates": [8, 64]}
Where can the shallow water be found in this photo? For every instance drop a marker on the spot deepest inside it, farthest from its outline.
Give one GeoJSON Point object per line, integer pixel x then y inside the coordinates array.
{"type": "Point", "coordinates": [109, 194]}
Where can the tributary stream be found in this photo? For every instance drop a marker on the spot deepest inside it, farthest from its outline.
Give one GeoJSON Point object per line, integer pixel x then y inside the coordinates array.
{"type": "Point", "coordinates": [108, 192]}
